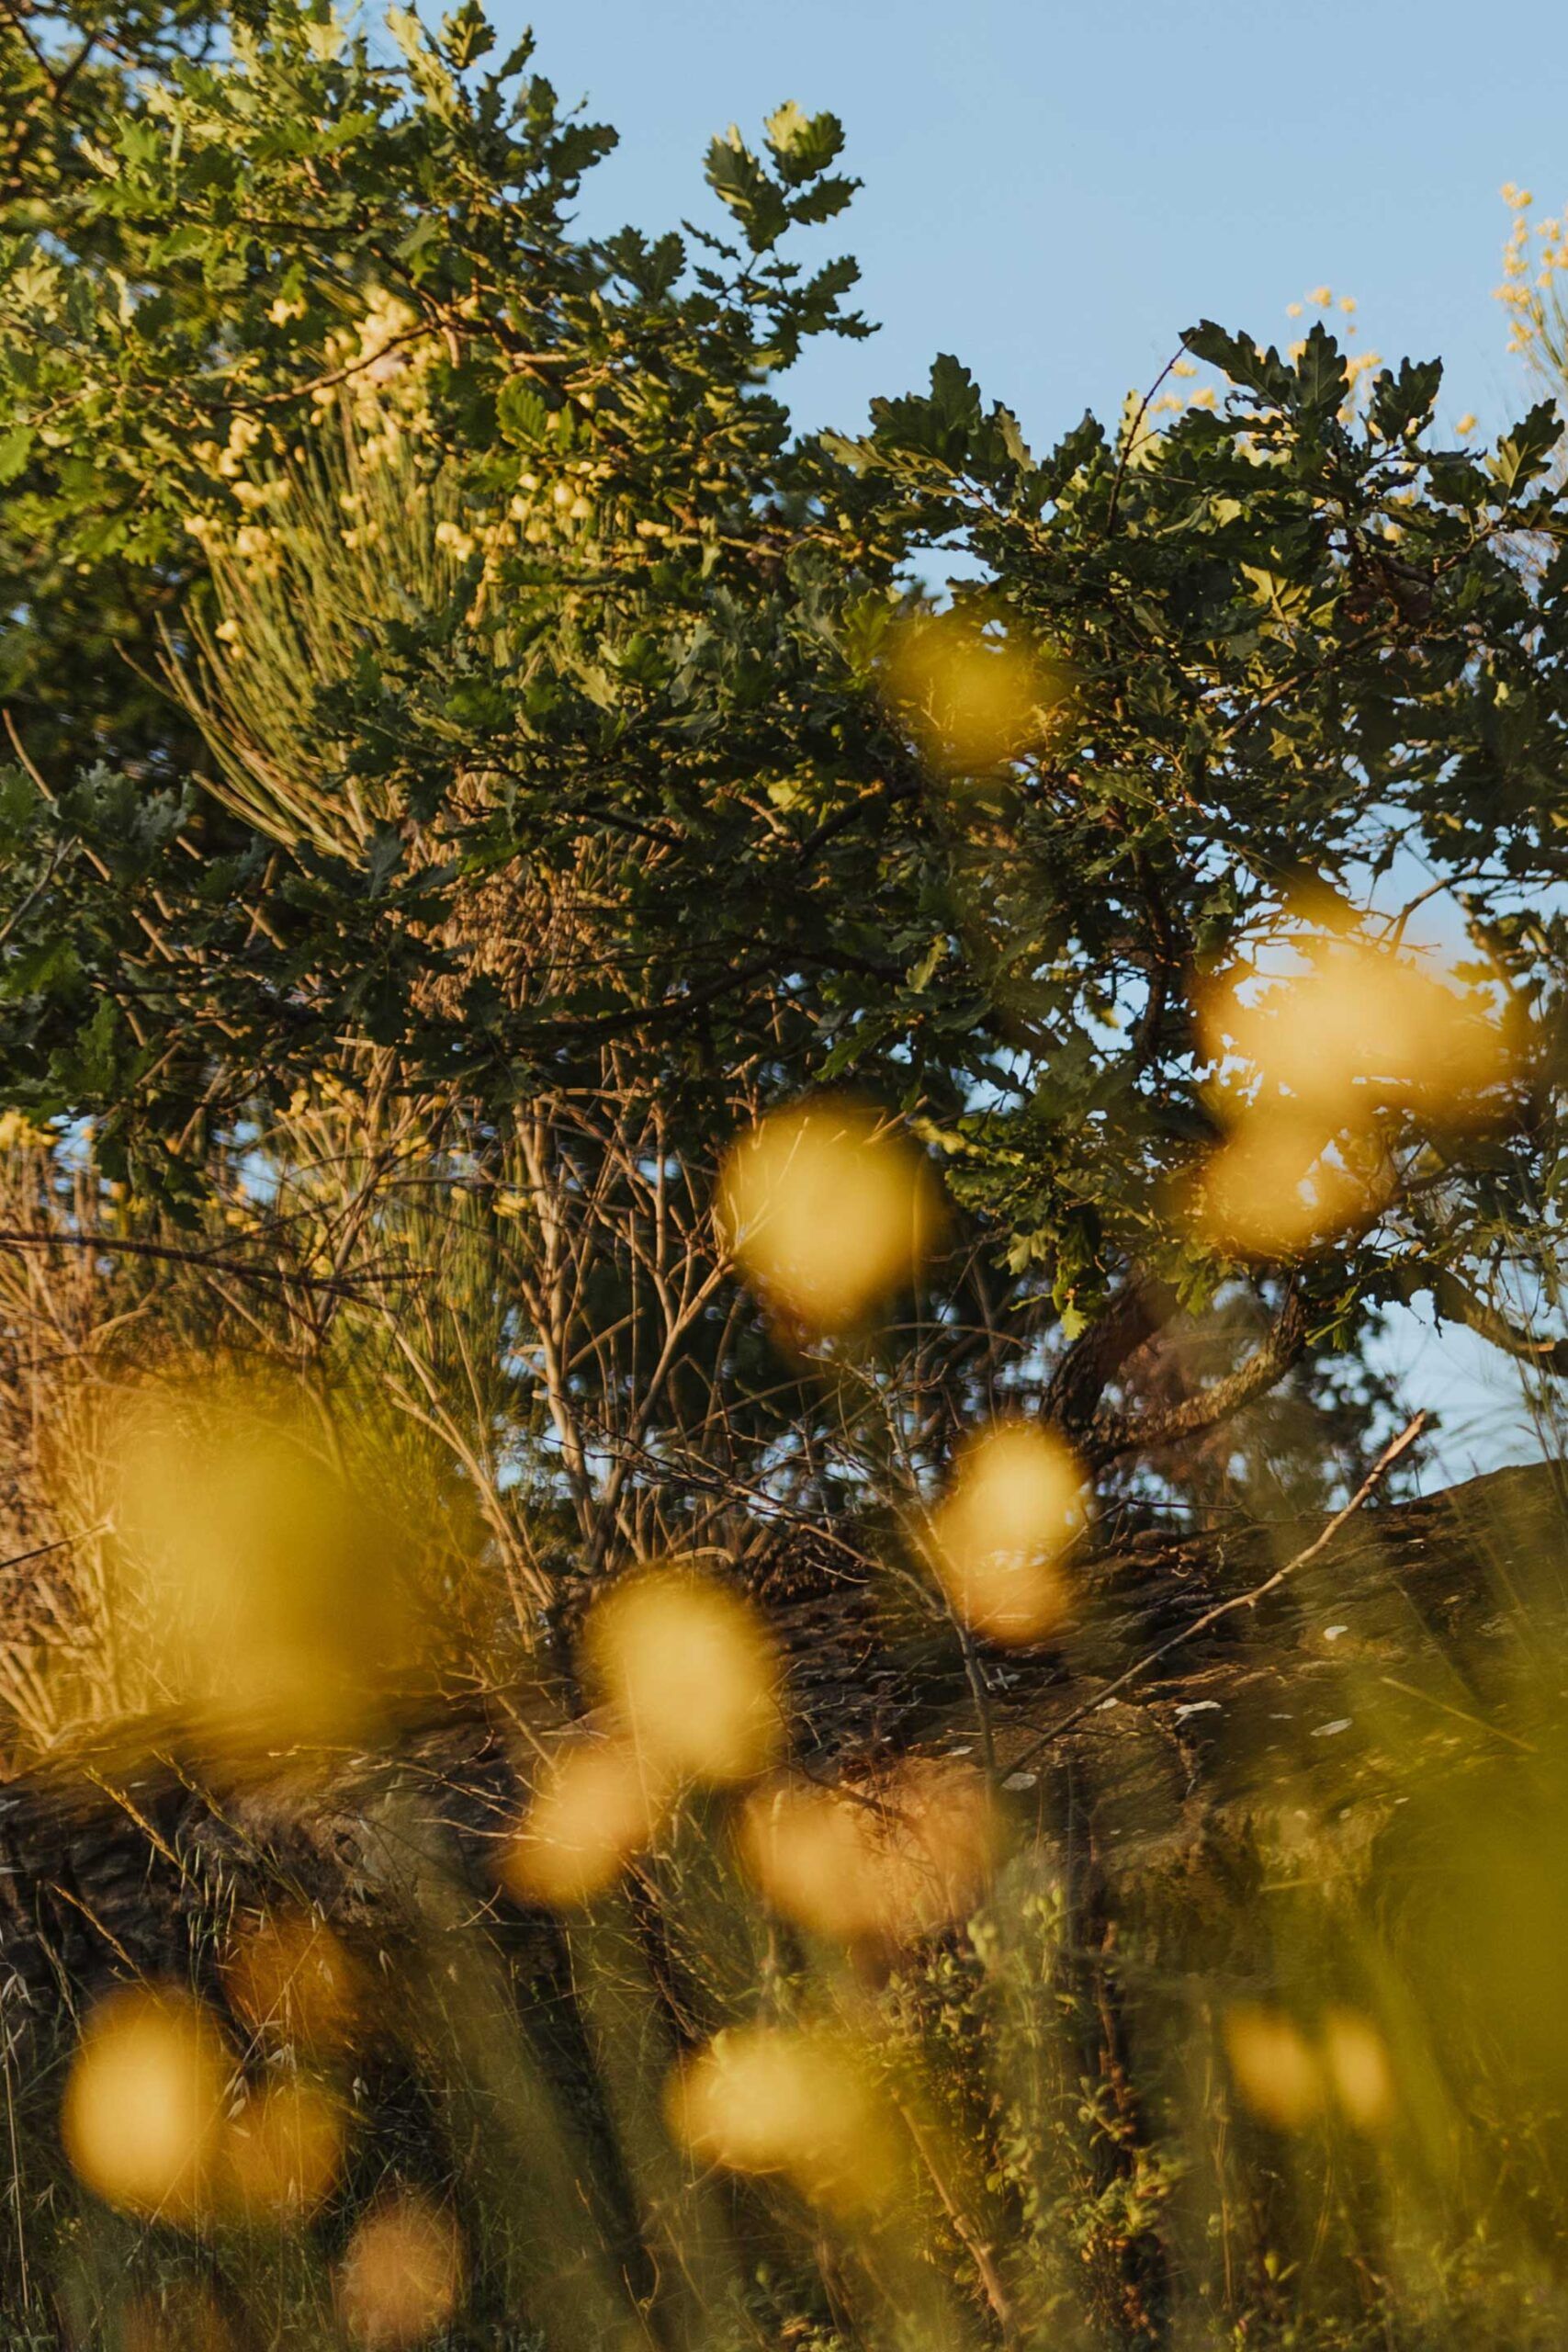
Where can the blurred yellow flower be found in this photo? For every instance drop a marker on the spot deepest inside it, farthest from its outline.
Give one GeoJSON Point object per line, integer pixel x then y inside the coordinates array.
{"type": "Point", "coordinates": [1016, 1502]}
{"type": "Point", "coordinates": [800, 2103]}
{"type": "Point", "coordinates": [1357, 2061]}
{"type": "Point", "coordinates": [282, 2150]}
{"type": "Point", "coordinates": [1275, 2072]}
{"type": "Point", "coordinates": [402, 2274]}
{"type": "Point", "coordinates": [880, 1865]}
{"type": "Point", "coordinates": [1280, 1185]}
{"type": "Point", "coordinates": [593, 1811]}
{"type": "Point", "coordinates": [291, 1978]}
{"type": "Point", "coordinates": [973, 700]}
{"type": "Point", "coordinates": [691, 1674]}
{"type": "Point", "coordinates": [265, 1587]}
{"type": "Point", "coordinates": [143, 2118]}
{"type": "Point", "coordinates": [1362, 1028]}
{"type": "Point", "coordinates": [828, 1210]}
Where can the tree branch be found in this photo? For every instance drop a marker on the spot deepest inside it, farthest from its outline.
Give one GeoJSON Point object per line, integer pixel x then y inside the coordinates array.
{"type": "Point", "coordinates": [1109, 1435]}
{"type": "Point", "coordinates": [247, 1270]}
{"type": "Point", "coordinates": [1097, 1355]}
{"type": "Point", "coordinates": [1457, 1303]}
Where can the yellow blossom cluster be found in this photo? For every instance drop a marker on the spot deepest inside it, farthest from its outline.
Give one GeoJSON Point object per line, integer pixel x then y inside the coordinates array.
{"type": "Point", "coordinates": [371, 376]}
{"type": "Point", "coordinates": [1314, 1064]}
{"type": "Point", "coordinates": [1535, 265]}
{"type": "Point", "coordinates": [17, 1133]}
{"type": "Point", "coordinates": [688, 1680]}
{"type": "Point", "coordinates": [379, 348]}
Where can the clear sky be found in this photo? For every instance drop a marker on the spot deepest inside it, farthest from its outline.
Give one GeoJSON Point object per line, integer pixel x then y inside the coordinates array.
{"type": "Point", "coordinates": [1054, 192]}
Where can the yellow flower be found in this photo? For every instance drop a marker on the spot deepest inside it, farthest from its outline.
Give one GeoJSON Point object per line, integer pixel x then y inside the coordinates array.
{"type": "Point", "coordinates": [1276, 2074]}
{"type": "Point", "coordinates": [1015, 1506]}
{"type": "Point", "coordinates": [828, 1210]}
{"type": "Point", "coordinates": [797, 2102]}
{"type": "Point", "coordinates": [17, 1133]}
{"type": "Point", "coordinates": [1320, 297]}
{"type": "Point", "coordinates": [1466, 424]}
{"type": "Point", "coordinates": [143, 2112]}
{"type": "Point", "coordinates": [690, 1671]}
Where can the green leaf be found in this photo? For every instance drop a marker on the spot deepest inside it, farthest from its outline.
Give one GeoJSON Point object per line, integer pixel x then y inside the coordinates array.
{"type": "Point", "coordinates": [1402, 403]}
{"type": "Point", "coordinates": [16, 448]}
{"type": "Point", "coordinates": [738, 179]}
{"type": "Point", "coordinates": [1242, 360]}
{"type": "Point", "coordinates": [522, 414]}
{"type": "Point", "coordinates": [1321, 380]}
{"type": "Point", "coordinates": [802, 146]}
{"type": "Point", "coordinates": [1526, 451]}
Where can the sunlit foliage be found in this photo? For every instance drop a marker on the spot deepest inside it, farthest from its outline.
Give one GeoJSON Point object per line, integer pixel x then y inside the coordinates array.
{"type": "Point", "coordinates": [591, 1061]}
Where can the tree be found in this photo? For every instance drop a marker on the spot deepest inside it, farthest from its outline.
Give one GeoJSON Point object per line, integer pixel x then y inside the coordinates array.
{"type": "Point", "coordinates": [521, 763]}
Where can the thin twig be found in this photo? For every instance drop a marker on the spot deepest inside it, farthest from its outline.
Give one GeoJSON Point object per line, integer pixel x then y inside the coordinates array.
{"type": "Point", "coordinates": [1133, 432]}
{"type": "Point", "coordinates": [1363, 1494]}
{"type": "Point", "coordinates": [61, 1543]}
{"type": "Point", "coordinates": [201, 1260]}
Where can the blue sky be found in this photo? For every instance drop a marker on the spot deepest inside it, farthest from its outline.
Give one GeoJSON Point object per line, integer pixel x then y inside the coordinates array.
{"type": "Point", "coordinates": [1055, 193]}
